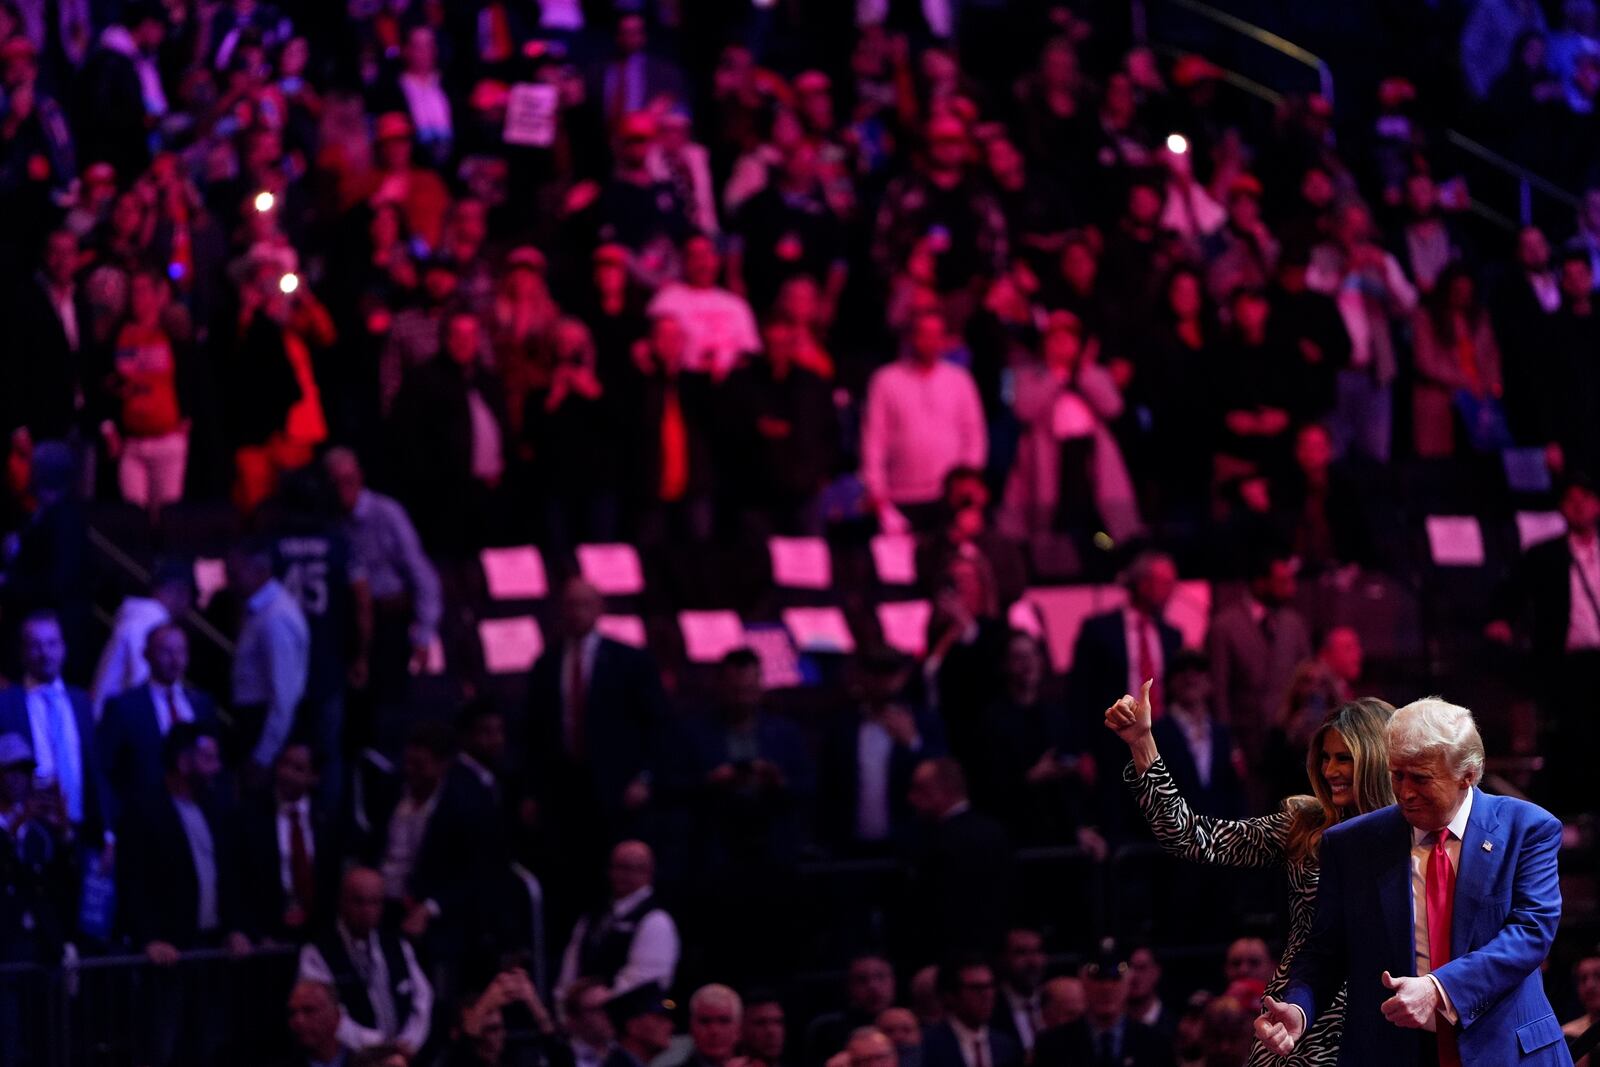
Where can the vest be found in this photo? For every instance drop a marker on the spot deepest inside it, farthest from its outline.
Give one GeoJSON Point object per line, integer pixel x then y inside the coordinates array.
{"type": "Point", "coordinates": [352, 988]}
{"type": "Point", "coordinates": [609, 937]}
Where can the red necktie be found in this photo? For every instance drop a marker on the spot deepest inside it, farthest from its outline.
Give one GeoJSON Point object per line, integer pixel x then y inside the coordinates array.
{"type": "Point", "coordinates": [1441, 892]}
{"type": "Point", "coordinates": [300, 873]}
{"type": "Point", "coordinates": [1147, 664]}
{"type": "Point", "coordinates": [674, 447]}
{"type": "Point", "coordinates": [979, 1059]}
{"type": "Point", "coordinates": [576, 698]}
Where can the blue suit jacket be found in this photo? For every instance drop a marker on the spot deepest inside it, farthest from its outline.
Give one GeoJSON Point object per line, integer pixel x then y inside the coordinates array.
{"type": "Point", "coordinates": [129, 742]}
{"type": "Point", "coordinates": [14, 720]}
{"type": "Point", "coordinates": [1507, 908]}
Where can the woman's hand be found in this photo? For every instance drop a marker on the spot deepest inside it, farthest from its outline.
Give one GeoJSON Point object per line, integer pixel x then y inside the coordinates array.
{"type": "Point", "coordinates": [1129, 719]}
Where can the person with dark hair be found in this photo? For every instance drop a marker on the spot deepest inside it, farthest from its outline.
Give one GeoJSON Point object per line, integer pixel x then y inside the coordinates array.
{"type": "Point", "coordinates": [440, 853]}
{"type": "Point", "coordinates": [131, 729]}
{"type": "Point", "coordinates": [123, 663]}
{"type": "Point", "coordinates": [591, 1034]}
{"type": "Point", "coordinates": [764, 1037]}
{"type": "Point", "coordinates": [292, 852]}
{"type": "Point", "coordinates": [869, 988]}
{"type": "Point", "coordinates": [962, 870]}
{"type": "Point", "coordinates": [673, 469]}
{"type": "Point", "coordinates": [966, 1039]}
{"type": "Point", "coordinates": [1020, 970]}
{"type": "Point", "coordinates": [57, 721]}
{"type": "Point", "coordinates": [869, 758]}
{"type": "Point", "coordinates": [383, 994]}
{"type": "Point", "coordinates": [1570, 388]}
{"type": "Point", "coordinates": [448, 429]}
{"type": "Point", "coordinates": [1201, 753]}
{"type": "Point", "coordinates": [178, 888]}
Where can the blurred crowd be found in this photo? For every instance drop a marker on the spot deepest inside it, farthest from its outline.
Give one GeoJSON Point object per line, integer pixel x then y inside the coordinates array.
{"type": "Point", "coordinates": [357, 290]}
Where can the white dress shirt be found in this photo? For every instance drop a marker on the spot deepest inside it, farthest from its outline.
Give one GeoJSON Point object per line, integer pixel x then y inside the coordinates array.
{"type": "Point", "coordinates": [1421, 849]}
{"type": "Point", "coordinates": [1024, 1010]}
{"type": "Point", "coordinates": [1196, 729]}
{"type": "Point", "coordinates": [971, 1042]}
{"type": "Point", "coordinates": [1583, 623]}
{"type": "Point", "coordinates": [652, 956]}
{"type": "Point", "coordinates": [203, 850]}
{"type": "Point", "coordinates": [171, 706]}
{"type": "Point", "coordinates": [429, 107]}
{"type": "Point", "coordinates": [301, 808]}
{"type": "Point", "coordinates": [50, 718]}
{"type": "Point", "coordinates": [874, 750]}
{"type": "Point", "coordinates": [407, 827]}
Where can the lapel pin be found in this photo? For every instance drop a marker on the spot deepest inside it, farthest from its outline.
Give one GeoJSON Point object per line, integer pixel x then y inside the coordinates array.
{"type": "Point", "coordinates": [1488, 846]}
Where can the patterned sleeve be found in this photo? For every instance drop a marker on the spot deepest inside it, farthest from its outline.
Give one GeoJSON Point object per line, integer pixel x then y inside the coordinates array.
{"type": "Point", "coordinates": [1255, 842]}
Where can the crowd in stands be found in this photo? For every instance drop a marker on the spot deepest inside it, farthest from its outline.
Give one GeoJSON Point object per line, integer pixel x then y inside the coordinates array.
{"type": "Point", "coordinates": [343, 293]}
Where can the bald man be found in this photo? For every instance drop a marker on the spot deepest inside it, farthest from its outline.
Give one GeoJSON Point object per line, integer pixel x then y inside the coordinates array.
{"type": "Point", "coordinates": [383, 994]}
{"type": "Point", "coordinates": [630, 942]}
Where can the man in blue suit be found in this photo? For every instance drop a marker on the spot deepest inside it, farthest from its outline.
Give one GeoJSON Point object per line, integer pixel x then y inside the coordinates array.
{"type": "Point", "coordinates": [130, 733]}
{"type": "Point", "coordinates": [1437, 911]}
{"type": "Point", "coordinates": [56, 721]}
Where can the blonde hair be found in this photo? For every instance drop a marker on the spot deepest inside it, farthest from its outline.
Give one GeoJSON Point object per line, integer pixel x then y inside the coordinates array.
{"type": "Point", "coordinates": [1433, 724]}
{"type": "Point", "coordinates": [1362, 724]}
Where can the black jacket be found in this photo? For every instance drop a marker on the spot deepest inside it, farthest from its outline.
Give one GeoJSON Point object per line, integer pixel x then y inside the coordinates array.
{"type": "Point", "coordinates": [1071, 1046]}
{"type": "Point", "coordinates": [158, 890]}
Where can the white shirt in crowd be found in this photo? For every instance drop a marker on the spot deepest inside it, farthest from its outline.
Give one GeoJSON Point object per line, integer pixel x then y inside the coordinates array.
{"type": "Point", "coordinates": [652, 957]}
{"type": "Point", "coordinates": [1136, 627]}
{"type": "Point", "coordinates": [57, 748]}
{"type": "Point", "coordinates": [919, 423]}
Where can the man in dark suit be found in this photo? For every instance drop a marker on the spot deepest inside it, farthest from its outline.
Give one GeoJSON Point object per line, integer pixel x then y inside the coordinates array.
{"type": "Point", "coordinates": [441, 853]}
{"type": "Point", "coordinates": [1105, 1036]}
{"type": "Point", "coordinates": [869, 992]}
{"type": "Point", "coordinates": [46, 379]}
{"type": "Point", "coordinates": [963, 870]}
{"type": "Point", "coordinates": [178, 889]}
{"type": "Point", "coordinates": [1255, 644]}
{"type": "Point", "coordinates": [56, 720]}
{"type": "Point", "coordinates": [595, 723]}
{"type": "Point", "coordinates": [632, 79]}
{"type": "Point", "coordinates": [1197, 749]}
{"type": "Point", "coordinates": [965, 1038]}
{"type": "Point", "coordinates": [291, 854]}
{"type": "Point", "coordinates": [1117, 650]}
{"type": "Point", "coordinates": [868, 759]}
{"type": "Point", "coordinates": [1436, 914]}
{"type": "Point", "coordinates": [135, 723]}
{"type": "Point", "coordinates": [1554, 596]}
{"type": "Point", "coordinates": [1020, 970]}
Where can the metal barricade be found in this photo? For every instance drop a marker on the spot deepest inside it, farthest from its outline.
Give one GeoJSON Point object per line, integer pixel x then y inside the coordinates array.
{"type": "Point", "coordinates": [122, 1011]}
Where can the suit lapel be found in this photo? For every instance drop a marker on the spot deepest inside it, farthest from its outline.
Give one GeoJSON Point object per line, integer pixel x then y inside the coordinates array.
{"type": "Point", "coordinates": [1483, 849]}
{"type": "Point", "coordinates": [1394, 886]}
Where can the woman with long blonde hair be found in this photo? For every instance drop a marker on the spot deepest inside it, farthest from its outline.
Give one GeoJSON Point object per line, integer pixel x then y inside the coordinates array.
{"type": "Point", "coordinates": [1348, 767]}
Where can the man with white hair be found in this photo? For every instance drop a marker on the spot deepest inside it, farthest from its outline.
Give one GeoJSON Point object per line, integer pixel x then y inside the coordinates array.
{"type": "Point", "coordinates": [1437, 911]}
{"type": "Point", "coordinates": [716, 1015]}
